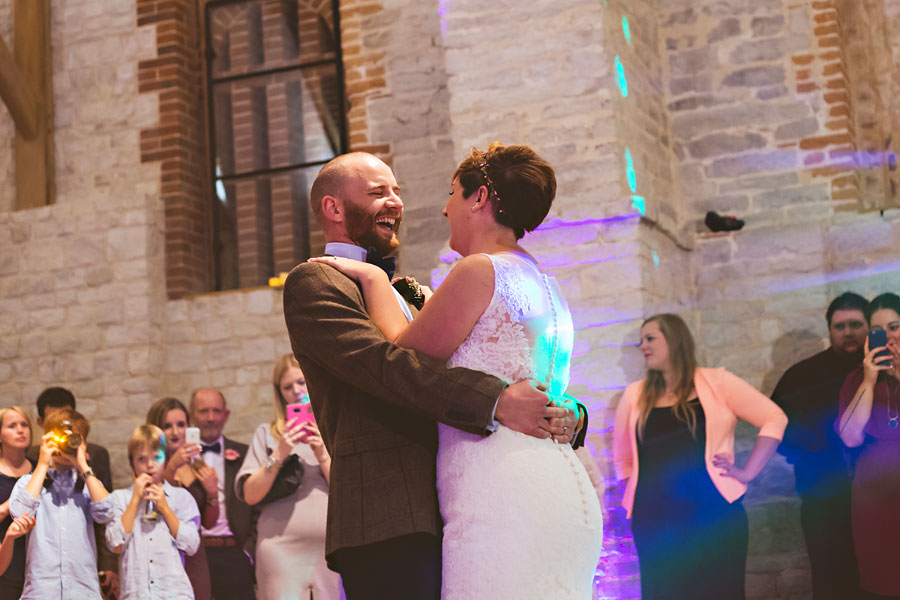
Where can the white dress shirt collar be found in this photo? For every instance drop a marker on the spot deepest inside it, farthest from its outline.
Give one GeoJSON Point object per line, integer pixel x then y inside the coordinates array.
{"type": "Point", "coordinates": [346, 251]}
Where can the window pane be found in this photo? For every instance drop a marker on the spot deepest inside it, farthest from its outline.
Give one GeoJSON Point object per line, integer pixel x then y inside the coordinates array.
{"type": "Point", "coordinates": [264, 226]}
{"type": "Point", "coordinates": [277, 120]}
{"type": "Point", "coordinates": [268, 34]}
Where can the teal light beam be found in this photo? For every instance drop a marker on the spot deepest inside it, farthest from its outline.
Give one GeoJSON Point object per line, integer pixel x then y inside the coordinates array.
{"type": "Point", "coordinates": [620, 78]}
{"type": "Point", "coordinates": [629, 171]}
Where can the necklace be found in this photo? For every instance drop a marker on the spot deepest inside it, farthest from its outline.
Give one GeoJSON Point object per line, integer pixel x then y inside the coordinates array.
{"type": "Point", "coordinates": [893, 411]}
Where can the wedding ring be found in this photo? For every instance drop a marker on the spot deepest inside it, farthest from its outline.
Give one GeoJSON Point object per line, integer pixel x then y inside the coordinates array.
{"type": "Point", "coordinates": [565, 428]}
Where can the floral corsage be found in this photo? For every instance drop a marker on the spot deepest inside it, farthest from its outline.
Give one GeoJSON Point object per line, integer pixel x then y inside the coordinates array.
{"type": "Point", "coordinates": [411, 291]}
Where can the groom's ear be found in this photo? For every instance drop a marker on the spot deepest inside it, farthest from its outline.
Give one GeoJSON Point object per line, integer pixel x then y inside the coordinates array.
{"type": "Point", "coordinates": [332, 209]}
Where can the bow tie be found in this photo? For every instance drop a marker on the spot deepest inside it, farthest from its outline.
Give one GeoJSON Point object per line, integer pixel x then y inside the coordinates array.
{"type": "Point", "coordinates": [215, 448]}
{"type": "Point", "coordinates": [388, 265]}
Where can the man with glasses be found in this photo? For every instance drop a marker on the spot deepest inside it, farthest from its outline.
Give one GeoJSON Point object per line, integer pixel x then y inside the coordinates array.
{"type": "Point", "coordinates": [808, 393]}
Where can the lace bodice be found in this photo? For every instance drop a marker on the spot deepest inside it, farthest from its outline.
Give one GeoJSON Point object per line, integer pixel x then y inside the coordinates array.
{"type": "Point", "coordinates": [525, 332]}
{"type": "Point", "coordinates": [521, 518]}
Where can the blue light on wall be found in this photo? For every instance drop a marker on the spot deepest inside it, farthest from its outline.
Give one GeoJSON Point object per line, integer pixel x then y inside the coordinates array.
{"type": "Point", "coordinates": [626, 29]}
{"type": "Point", "coordinates": [629, 171]}
{"type": "Point", "coordinates": [639, 204]}
{"type": "Point", "coordinates": [655, 259]}
{"type": "Point", "coordinates": [620, 78]}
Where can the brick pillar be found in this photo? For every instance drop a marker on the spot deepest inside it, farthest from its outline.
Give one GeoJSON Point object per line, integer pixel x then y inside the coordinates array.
{"type": "Point", "coordinates": [364, 72]}
{"type": "Point", "coordinates": [178, 141]}
{"type": "Point", "coordinates": [822, 70]}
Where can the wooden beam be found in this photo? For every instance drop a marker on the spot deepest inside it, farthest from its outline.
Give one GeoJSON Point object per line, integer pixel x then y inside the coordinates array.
{"type": "Point", "coordinates": [16, 94]}
{"type": "Point", "coordinates": [35, 167]}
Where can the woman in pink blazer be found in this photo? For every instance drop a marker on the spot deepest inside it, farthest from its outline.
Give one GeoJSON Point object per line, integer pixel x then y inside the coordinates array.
{"type": "Point", "coordinates": [676, 427]}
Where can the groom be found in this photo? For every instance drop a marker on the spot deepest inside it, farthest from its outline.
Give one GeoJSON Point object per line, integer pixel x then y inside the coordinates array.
{"type": "Point", "coordinates": [376, 403]}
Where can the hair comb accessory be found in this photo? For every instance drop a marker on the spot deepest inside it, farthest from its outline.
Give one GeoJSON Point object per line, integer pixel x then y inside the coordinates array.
{"type": "Point", "coordinates": [483, 167]}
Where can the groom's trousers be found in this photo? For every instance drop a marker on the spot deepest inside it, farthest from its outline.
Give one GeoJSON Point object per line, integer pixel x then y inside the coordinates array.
{"type": "Point", "coordinates": [405, 567]}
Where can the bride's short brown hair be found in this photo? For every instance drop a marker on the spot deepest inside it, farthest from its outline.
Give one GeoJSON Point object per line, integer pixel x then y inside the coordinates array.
{"type": "Point", "coordinates": [521, 185]}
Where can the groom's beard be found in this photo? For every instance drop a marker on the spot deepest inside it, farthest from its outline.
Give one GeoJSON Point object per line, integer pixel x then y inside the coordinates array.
{"type": "Point", "coordinates": [361, 228]}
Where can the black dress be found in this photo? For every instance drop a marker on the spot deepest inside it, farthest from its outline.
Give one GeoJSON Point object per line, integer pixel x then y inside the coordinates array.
{"type": "Point", "coordinates": [691, 542]}
{"type": "Point", "coordinates": [13, 579]}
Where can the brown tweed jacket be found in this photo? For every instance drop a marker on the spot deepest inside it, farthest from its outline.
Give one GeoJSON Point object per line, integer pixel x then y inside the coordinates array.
{"type": "Point", "coordinates": [376, 405]}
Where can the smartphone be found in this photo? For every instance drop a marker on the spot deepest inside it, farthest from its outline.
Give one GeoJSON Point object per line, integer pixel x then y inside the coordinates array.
{"type": "Point", "coordinates": [300, 413]}
{"type": "Point", "coordinates": [192, 435]}
{"type": "Point", "coordinates": [878, 339]}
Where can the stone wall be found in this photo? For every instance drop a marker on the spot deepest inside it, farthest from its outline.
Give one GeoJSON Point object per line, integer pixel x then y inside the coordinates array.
{"type": "Point", "coordinates": [740, 106]}
{"type": "Point", "coordinates": [760, 107]}
{"type": "Point", "coordinates": [81, 283]}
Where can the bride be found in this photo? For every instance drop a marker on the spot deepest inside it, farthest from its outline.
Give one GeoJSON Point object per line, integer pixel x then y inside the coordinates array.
{"type": "Point", "coordinates": [521, 518]}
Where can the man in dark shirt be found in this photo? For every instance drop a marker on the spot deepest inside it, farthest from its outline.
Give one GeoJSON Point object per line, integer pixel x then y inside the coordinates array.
{"type": "Point", "coordinates": [809, 392]}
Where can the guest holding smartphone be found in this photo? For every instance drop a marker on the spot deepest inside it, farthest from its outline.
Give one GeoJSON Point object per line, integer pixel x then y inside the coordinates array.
{"type": "Point", "coordinates": [869, 416]}
{"type": "Point", "coordinates": [290, 546]}
{"type": "Point", "coordinates": [184, 468]}
{"type": "Point", "coordinates": [676, 429]}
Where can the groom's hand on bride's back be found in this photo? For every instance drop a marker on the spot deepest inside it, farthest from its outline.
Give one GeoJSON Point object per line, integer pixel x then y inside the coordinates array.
{"type": "Point", "coordinates": [523, 407]}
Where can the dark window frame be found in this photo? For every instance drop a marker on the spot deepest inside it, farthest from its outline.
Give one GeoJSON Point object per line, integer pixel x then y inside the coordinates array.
{"type": "Point", "coordinates": [210, 81]}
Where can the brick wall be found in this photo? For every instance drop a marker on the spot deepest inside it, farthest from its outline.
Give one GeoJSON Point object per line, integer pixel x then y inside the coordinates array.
{"type": "Point", "coordinates": [727, 101]}
{"type": "Point", "coordinates": [178, 140]}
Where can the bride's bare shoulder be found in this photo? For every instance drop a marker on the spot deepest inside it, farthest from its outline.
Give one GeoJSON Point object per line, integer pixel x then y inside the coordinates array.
{"type": "Point", "coordinates": [472, 268]}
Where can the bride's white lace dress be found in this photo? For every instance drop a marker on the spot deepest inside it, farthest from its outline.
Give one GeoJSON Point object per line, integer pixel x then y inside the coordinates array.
{"type": "Point", "coordinates": [522, 519]}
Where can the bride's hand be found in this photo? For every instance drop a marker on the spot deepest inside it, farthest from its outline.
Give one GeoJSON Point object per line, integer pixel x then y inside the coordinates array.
{"type": "Point", "coordinates": [354, 269]}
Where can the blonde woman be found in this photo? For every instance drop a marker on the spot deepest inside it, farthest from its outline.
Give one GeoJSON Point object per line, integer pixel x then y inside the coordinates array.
{"type": "Point", "coordinates": [675, 428]}
{"type": "Point", "coordinates": [290, 543]}
{"type": "Point", "coordinates": [15, 439]}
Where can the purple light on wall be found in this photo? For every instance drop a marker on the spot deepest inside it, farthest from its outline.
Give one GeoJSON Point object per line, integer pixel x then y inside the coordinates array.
{"type": "Point", "coordinates": [807, 281]}
{"type": "Point", "coordinates": [558, 223]}
{"type": "Point", "coordinates": [443, 7]}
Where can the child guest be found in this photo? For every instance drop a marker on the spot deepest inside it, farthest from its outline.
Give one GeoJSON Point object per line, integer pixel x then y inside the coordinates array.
{"type": "Point", "coordinates": [65, 497]}
{"type": "Point", "coordinates": [152, 524]}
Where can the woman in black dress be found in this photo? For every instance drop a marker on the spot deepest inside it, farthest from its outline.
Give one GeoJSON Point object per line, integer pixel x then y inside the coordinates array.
{"type": "Point", "coordinates": [676, 429]}
{"type": "Point", "coordinates": [15, 438]}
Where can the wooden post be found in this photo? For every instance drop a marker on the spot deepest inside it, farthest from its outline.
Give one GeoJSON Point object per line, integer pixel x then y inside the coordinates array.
{"type": "Point", "coordinates": [34, 157]}
{"type": "Point", "coordinates": [16, 94]}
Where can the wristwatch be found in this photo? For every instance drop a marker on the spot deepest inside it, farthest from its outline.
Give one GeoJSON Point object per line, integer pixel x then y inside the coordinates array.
{"type": "Point", "coordinates": [88, 473]}
{"type": "Point", "coordinates": [271, 463]}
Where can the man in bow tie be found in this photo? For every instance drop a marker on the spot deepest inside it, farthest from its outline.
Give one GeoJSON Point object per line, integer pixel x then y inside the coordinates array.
{"type": "Point", "coordinates": [376, 404]}
{"type": "Point", "coordinates": [231, 542]}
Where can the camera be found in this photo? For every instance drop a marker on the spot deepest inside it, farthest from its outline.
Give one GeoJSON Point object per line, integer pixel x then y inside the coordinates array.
{"type": "Point", "coordinates": [67, 440]}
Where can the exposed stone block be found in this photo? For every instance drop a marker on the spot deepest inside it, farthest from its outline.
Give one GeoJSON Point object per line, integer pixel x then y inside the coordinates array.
{"type": "Point", "coordinates": [690, 125]}
{"type": "Point", "coordinates": [224, 354]}
{"type": "Point", "coordinates": [729, 27]}
{"type": "Point", "coordinates": [683, 17]}
{"type": "Point", "coordinates": [690, 62]}
{"type": "Point", "coordinates": [751, 163]}
{"type": "Point", "coordinates": [766, 26]}
{"type": "Point", "coordinates": [724, 8]}
{"type": "Point", "coordinates": [259, 350]}
{"type": "Point", "coordinates": [755, 77]}
{"type": "Point", "coordinates": [784, 197]}
{"type": "Point", "coordinates": [797, 129]}
{"type": "Point", "coordinates": [700, 82]}
{"type": "Point", "coordinates": [772, 92]}
{"type": "Point", "coordinates": [693, 102]}
{"type": "Point", "coordinates": [724, 143]}
{"type": "Point", "coordinates": [760, 50]}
